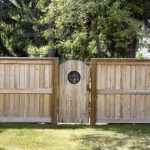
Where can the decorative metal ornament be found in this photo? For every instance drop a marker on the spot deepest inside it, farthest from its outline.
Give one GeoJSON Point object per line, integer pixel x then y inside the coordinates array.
{"type": "Point", "coordinates": [74, 77]}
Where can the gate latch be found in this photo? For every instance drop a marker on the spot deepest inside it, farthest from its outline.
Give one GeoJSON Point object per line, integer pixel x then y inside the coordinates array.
{"type": "Point", "coordinates": [88, 87]}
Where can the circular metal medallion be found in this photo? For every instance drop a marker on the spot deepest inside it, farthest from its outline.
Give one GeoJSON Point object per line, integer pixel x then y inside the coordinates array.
{"type": "Point", "coordinates": [74, 77]}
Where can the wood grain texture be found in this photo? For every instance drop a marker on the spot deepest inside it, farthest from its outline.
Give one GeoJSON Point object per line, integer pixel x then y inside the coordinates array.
{"type": "Point", "coordinates": [74, 98]}
{"type": "Point", "coordinates": [26, 89]}
{"type": "Point", "coordinates": [122, 90]}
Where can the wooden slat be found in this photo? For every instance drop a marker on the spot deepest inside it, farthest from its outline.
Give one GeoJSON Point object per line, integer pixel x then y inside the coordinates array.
{"type": "Point", "coordinates": [93, 92]}
{"type": "Point", "coordinates": [25, 119]}
{"type": "Point", "coordinates": [123, 91]}
{"type": "Point", "coordinates": [55, 91]}
{"type": "Point", "coordinates": [2, 75]}
{"type": "Point", "coordinates": [26, 91]}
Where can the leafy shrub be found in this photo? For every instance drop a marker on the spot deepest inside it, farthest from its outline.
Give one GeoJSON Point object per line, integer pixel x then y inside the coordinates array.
{"type": "Point", "coordinates": [34, 51]}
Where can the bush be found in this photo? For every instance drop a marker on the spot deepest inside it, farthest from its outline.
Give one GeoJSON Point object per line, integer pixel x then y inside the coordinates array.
{"type": "Point", "coordinates": [34, 51]}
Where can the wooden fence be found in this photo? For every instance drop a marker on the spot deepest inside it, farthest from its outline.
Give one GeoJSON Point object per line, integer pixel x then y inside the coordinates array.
{"type": "Point", "coordinates": [120, 91]}
{"type": "Point", "coordinates": [28, 90]}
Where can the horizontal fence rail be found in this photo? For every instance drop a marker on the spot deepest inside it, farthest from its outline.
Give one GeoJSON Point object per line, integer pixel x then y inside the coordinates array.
{"type": "Point", "coordinates": [28, 89]}
{"type": "Point", "coordinates": [120, 91]}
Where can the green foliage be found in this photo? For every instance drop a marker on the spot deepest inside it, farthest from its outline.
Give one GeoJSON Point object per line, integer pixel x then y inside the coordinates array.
{"type": "Point", "coordinates": [73, 29]}
{"type": "Point", "coordinates": [34, 51]}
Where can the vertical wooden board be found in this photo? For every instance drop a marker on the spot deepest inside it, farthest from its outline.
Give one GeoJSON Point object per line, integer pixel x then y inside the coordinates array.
{"type": "Point", "coordinates": [21, 105]}
{"type": "Point", "coordinates": [147, 107]}
{"type": "Point", "coordinates": [37, 76]}
{"type": "Point", "coordinates": [55, 92]}
{"type": "Point", "coordinates": [27, 77]}
{"type": "Point", "coordinates": [46, 105]}
{"type": "Point", "coordinates": [108, 79]}
{"type": "Point", "coordinates": [47, 76]}
{"type": "Point", "coordinates": [22, 86]}
{"type": "Point", "coordinates": [32, 72]}
{"type": "Point", "coordinates": [26, 86]}
{"type": "Point", "coordinates": [50, 76]}
{"type": "Point", "coordinates": [133, 77]}
{"type": "Point", "coordinates": [123, 76]}
{"type": "Point", "coordinates": [50, 105]}
{"type": "Point", "coordinates": [93, 108]}
{"type": "Point", "coordinates": [2, 102]}
{"type": "Point", "coordinates": [127, 77]}
{"type": "Point", "coordinates": [112, 106]}
{"type": "Point", "coordinates": [74, 116]}
{"type": "Point", "coordinates": [118, 77]}
{"type": "Point", "coordinates": [17, 105]}
{"type": "Point", "coordinates": [126, 106]}
{"type": "Point", "coordinates": [36, 105]}
{"type": "Point", "coordinates": [147, 77]}
{"type": "Point", "coordinates": [41, 105]}
{"type": "Point", "coordinates": [6, 79]}
{"type": "Point", "coordinates": [100, 114]}
{"type": "Point", "coordinates": [68, 93]}
{"type": "Point", "coordinates": [139, 107]}
{"type": "Point", "coordinates": [17, 76]}
{"type": "Point", "coordinates": [107, 106]}
{"type": "Point", "coordinates": [99, 76]}
{"type": "Point", "coordinates": [61, 93]}
{"type": "Point", "coordinates": [2, 76]}
{"type": "Point", "coordinates": [80, 92]}
{"type": "Point", "coordinates": [12, 76]}
{"type": "Point", "coordinates": [26, 105]}
{"type": "Point", "coordinates": [32, 105]}
{"type": "Point", "coordinates": [133, 105]}
{"type": "Point", "coordinates": [98, 108]}
{"type": "Point", "coordinates": [12, 85]}
{"type": "Point", "coordinates": [6, 105]}
{"type": "Point", "coordinates": [143, 77]}
{"type": "Point", "coordinates": [22, 77]}
{"type": "Point", "coordinates": [11, 105]}
{"type": "Point", "coordinates": [117, 106]}
{"type": "Point", "coordinates": [103, 76]}
{"type": "Point", "coordinates": [87, 94]}
{"type": "Point", "coordinates": [112, 78]}
{"type": "Point", "coordinates": [62, 102]}
{"type": "Point", "coordinates": [42, 76]}
{"type": "Point", "coordinates": [138, 77]}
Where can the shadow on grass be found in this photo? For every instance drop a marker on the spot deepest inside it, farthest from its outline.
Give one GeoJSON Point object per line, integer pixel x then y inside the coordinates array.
{"type": "Point", "coordinates": [129, 129]}
{"type": "Point", "coordinates": [40, 126]}
{"type": "Point", "coordinates": [120, 135]}
{"type": "Point", "coordinates": [126, 136]}
{"type": "Point", "coordinates": [98, 142]}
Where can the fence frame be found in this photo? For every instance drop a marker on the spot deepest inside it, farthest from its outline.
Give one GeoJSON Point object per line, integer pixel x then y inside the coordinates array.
{"type": "Point", "coordinates": [105, 61]}
{"type": "Point", "coordinates": [55, 89]}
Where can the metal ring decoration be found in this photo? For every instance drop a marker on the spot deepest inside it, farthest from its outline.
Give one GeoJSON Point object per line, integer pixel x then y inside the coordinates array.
{"type": "Point", "coordinates": [74, 77]}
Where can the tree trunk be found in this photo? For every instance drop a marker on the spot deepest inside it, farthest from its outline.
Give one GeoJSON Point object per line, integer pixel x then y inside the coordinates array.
{"type": "Point", "coordinates": [132, 45]}
{"type": "Point", "coordinates": [97, 40]}
{"type": "Point", "coordinates": [51, 51]}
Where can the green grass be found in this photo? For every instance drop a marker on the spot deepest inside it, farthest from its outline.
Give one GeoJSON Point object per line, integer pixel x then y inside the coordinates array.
{"type": "Point", "coordinates": [71, 137]}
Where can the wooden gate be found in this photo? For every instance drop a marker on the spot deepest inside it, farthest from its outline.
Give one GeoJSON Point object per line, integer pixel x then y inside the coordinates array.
{"type": "Point", "coordinates": [74, 93]}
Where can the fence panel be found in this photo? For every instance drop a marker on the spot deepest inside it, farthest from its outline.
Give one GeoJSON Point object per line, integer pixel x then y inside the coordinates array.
{"type": "Point", "coordinates": [28, 89]}
{"type": "Point", "coordinates": [120, 91]}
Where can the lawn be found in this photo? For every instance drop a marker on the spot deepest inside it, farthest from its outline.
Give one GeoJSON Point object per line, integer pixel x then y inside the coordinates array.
{"type": "Point", "coordinates": [71, 137]}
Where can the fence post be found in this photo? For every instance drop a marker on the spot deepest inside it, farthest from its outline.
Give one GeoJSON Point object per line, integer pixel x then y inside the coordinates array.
{"type": "Point", "coordinates": [55, 91]}
{"type": "Point", "coordinates": [93, 91]}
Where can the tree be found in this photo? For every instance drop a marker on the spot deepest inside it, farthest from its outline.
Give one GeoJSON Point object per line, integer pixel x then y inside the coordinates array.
{"type": "Point", "coordinates": [86, 29]}
{"type": "Point", "coordinates": [19, 27]}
